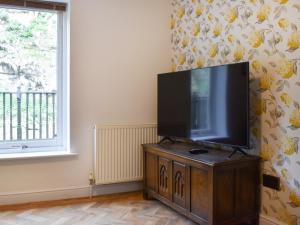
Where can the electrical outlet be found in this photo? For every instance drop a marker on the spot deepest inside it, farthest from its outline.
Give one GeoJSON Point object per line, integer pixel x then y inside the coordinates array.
{"type": "Point", "coordinates": [271, 182]}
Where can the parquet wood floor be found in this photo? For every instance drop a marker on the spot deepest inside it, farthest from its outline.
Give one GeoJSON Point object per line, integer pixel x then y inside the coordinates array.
{"type": "Point", "coordinates": [121, 210]}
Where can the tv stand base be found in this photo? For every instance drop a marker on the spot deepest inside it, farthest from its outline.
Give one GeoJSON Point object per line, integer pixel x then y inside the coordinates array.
{"type": "Point", "coordinates": [166, 138]}
{"type": "Point", "coordinates": [235, 150]}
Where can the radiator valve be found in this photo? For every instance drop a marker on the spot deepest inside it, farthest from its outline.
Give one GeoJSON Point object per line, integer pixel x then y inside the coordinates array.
{"type": "Point", "coordinates": [91, 178]}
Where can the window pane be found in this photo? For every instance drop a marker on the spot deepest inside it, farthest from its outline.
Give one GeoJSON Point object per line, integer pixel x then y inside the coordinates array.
{"type": "Point", "coordinates": [28, 74]}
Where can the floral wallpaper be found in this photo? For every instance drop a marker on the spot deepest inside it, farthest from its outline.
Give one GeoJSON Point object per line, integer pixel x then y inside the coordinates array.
{"type": "Point", "coordinates": [267, 34]}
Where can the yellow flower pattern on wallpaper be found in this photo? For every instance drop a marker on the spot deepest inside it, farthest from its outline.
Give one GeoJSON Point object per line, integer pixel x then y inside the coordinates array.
{"type": "Point", "coordinates": [232, 15]}
{"type": "Point", "coordinates": [286, 98]}
{"type": "Point", "coordinates": [290, 146]}
{"type": "Point", "coordinates": [282, 1]}
{"type": "Point", "coordinates": [185, 41]}
{"type": "Point", "coordinates": [195, 29]}
{"type": "Point", "coordinates": [199, 10]}
{"type": "Point", "coordinates": [295, 199]}
{"type": "Point", "coordinates": [253, 1]}
{"type": "Point", "coordinates": [267, 34]}
{"type": "Point", "coordinates": [181, 12]}
{"type": "Point", "coordinates": [239, 53]}
{"type": "Point", "coordinates": [266, 81]}
{"type": "Point", "coordinates": [231, 38]}
{"type": "Point", "coordinates": [256, 65]}
{"type": "Point", "coordinates": [294, 40]}
{"type": "Point", "coordinates": [256, 39]}
{"type": "Point", "coordinates": [283, 23]}
{"type": "Point", "coordinates": [295, 118]}
{"type": "Point", "coordinates": [266, 152]}
{"type": "Point", "coordinates": [213, 50]}
{"type": "Point", "coordinates": [263, 13]}
{"type": "Point", "coordinates": [287, 68]}
{"type": "Point", "coordinates": [217, 30]}
{"type": "Point", "coordinates": [200, 62]}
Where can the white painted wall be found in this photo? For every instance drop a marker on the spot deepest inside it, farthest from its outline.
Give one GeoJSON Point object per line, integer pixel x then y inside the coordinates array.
{"type": "Point", "coordinates": [117, 48]}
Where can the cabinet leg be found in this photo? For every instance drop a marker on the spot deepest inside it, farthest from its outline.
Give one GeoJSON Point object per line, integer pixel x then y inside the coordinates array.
{"type": "Point", "coordinates": [252, 222]}
{"type": "Point", "coordinates": [146, 196]}
{"type": "Point", "coordinates": [255, 222]}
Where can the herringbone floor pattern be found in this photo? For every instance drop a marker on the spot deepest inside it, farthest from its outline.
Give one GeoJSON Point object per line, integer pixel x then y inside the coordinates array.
{"type": "Point", "coordinates": [124, 210]}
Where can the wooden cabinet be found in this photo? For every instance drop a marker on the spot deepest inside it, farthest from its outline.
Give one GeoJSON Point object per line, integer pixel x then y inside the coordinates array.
{"type": "Point", "coordinates": [210, 188]}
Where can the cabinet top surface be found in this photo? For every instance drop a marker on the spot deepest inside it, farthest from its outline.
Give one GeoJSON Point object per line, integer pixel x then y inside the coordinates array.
{"type": "Point", "coordinates": [212, 158]}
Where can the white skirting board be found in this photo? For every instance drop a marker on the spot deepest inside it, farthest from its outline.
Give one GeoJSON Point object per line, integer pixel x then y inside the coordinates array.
{"type": "Point", "coordinates": [266, 220]}
{"type": "Point", "coordinates": [66, 193]}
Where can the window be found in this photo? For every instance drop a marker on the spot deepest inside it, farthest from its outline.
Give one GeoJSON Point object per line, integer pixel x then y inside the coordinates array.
{"type": "Point", "coordinates": [33, 76]}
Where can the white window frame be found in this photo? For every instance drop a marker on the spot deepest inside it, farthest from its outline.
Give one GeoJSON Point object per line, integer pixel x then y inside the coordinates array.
{"type": "Point", "coordinates": [62, 142]}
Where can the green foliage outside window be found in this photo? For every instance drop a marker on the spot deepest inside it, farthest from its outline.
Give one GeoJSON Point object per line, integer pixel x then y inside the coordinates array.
{"type": "Point", "coordinates": [28, 44]}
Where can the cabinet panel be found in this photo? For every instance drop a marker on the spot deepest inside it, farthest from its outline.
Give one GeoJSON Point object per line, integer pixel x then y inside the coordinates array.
{"type": "Point", "coordinates": [180, 184]}
{"type": "Point", "coordinates": [247, 180]}
{"type": "Point", "coordinates": [151, 171]}
{"type": "Point", "coordinates": [199, 193]}
{"type": "Point", "coordinates": [225, 193]}
{"type": "Point", "coordinates": [165, 178]}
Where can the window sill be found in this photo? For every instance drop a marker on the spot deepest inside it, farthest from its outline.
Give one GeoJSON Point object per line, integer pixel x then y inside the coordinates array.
{"type": "Point", "coordinates": [33, 155]}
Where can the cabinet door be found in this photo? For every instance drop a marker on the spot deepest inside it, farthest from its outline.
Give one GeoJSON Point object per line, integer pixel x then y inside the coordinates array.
{"type": "Point", "coordinates": [165, 178]}
{"type": "Point", "coordinates": [180, 184]}
{"type": "Point", "coordinates": [200, 193]}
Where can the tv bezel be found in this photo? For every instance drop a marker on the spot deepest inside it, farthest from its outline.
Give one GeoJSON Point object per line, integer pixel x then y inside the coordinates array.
{"type": "Point", "coordinates": [247, 146]}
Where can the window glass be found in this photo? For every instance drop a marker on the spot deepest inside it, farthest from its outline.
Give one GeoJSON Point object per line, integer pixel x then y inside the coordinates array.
{"type": "Point", "coordinates": [28, 74]}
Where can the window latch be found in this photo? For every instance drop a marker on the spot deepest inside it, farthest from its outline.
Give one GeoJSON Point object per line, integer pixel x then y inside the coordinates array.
{"type": "Point", "coordinates": [24, 147]}
{"type": "Point", "coordinates": [20, 146]}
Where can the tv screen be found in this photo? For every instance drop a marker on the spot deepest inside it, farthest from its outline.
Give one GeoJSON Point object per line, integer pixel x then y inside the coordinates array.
{"type": "Point", "coordinates": [207, 105]}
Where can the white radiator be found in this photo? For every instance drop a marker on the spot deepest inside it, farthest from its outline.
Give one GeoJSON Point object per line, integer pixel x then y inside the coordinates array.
{"type": "Point", "coordinates": [118, 151]}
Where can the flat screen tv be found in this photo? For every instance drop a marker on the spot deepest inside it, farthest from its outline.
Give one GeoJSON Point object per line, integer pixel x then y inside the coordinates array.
{"type": "Point", "coordinates": [206, 105]}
